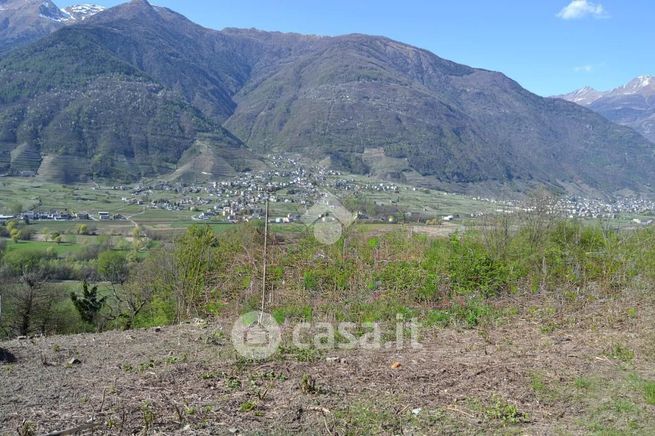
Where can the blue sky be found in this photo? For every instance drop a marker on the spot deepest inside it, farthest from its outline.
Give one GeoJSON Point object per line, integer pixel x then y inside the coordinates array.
{"type": "Point", "coordinates": [548, 46]}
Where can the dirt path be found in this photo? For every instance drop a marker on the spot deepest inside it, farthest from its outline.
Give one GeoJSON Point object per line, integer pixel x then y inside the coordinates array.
{"type": "Point", "coordinates": [443, 230]}
{"type": "Point", "coordinates": [187, 378]}
{"type": "Point", "coordinates": [131, 217]}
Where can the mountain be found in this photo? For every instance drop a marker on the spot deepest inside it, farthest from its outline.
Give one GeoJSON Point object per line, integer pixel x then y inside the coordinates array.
{"type": "Point", "coordinates": [584, 96]}
{"type": "Point", "coordinates": [70, 109]}
{"type": "Point", "coordinates": [374, 105]}
{"type": "Point", "coordinates": [82, 12]}
{"type": "Point", "coordinates": [140, 90]}
{"type": "Point", "coordinates": [631, 105]}
{"type": "Point", "coordinates": [25, 21]}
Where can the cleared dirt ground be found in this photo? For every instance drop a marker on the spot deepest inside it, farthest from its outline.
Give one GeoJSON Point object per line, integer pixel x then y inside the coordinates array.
{"type": "Point", "coordinates": [591, 376]}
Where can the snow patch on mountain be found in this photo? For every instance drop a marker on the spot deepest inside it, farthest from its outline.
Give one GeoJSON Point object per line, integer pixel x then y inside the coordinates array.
{"type": "Point", "coordinates": [632, 104]}
{"type": "Point", "coordinates": [645, 80]}
{"type": "Point", "coordinates": [83, 11]}
{"type": "Point", "coordinates": [641, 82]}
{"type": "Point", "coordinates": [51, 12]}
{"type": "Point", "coordinates": [638, 85]}
{"type": "Point", "coordinates": [586, 96]}
{"type": "Point", "coordinates": [68, 15]}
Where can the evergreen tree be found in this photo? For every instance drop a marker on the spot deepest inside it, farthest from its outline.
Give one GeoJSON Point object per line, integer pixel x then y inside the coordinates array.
{"type": "Point", "coordinates": [88, 305]}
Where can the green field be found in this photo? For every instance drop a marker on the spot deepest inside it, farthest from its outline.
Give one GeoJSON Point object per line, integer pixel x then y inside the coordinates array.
{"type": "Point", "coordinates": [32, 194]}
{"type": "Point", "coordinates": [62, 250]}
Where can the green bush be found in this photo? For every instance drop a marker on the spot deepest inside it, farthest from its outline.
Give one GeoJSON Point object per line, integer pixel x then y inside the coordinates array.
{"type": "Point", "coordinates": [27, 260]}
{"type": "Point", "coordinates": [113, 267]}
{"type": "Point", "coordinates": [473, 271]}
{"type": "Point", "coordinates": [161, 311]}
{"type": "Point", "coordinates": [310, 281]}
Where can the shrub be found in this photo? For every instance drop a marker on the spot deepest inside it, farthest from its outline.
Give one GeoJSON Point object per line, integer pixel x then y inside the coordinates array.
{"type": "Point", "coordinates": [33, 261]}
{"type": "Point", "coordinates": [112, 266]}
{"type": "Point", "coordinates": [473, 271]}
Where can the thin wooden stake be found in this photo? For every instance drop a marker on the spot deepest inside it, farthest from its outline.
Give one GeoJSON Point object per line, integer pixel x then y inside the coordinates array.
{"type": "Point", "coordinates": [261, 313]}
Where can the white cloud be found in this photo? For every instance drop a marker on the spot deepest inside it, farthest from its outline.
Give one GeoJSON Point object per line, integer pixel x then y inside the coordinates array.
{"type": "Point", "coordinates": [583, 69]}
{"type": "Point", "coordinates": [582, 8]}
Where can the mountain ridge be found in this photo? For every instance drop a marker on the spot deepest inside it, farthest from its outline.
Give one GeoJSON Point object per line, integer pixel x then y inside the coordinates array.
{"type": "Point", "coordinates": [341, 100]}
{"type": "Point", "coordinates": [632, 104]}
{"type": "Point", "coordinates": [25, 21]}
{"type": "Point", "coordinates": [105, 112]}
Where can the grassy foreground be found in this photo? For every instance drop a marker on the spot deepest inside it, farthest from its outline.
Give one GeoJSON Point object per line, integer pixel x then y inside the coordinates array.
{"type": "Point", "coordinates": [529, 325]}
{"type": "Point", "coordinates": [593, 374]}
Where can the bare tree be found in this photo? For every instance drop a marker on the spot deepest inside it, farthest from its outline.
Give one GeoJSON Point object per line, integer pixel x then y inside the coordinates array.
{"type": "Point", "coordinates": [133, 297]}
{"type": "Point", "coordinates": [540, 215]}
{"type": "Point", "coordinates": [31, 301]}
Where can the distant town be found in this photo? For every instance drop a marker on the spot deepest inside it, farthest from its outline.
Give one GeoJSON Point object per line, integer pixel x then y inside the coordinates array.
{"type": "Point", "coordinates": [294, 187]}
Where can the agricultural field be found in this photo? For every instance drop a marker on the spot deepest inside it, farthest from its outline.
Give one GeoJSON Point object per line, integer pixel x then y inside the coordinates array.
{"type": "Point", "coordinates": [31, 194]}
{"type": "Point", "coordinates": [422, 201]}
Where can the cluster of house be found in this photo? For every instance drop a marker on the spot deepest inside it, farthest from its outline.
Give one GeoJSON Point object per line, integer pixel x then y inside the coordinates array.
{"type": "Point", "coordinates": [239, 199]}
{"type": "Point", "coordinates": [578, 207]}
{"type": "Point", "coordinates": [381, 187]}
{"type": "Point", "coordinates": [243, 197]}
{"type": "Point", "coordinates": [589, 208]}
{"type": "Point", "coordinates": [61, 215]}
{"type": "Point", "coordinates": [290, 181]}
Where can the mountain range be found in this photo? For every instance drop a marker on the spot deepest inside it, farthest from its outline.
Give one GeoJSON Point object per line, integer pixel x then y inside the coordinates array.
{"type": "Point", "coordinates": [630, 105]}
{"type": "Point", "coordinates": [25, 21]}
{"type": "Point", "coordinates": [139, 90]}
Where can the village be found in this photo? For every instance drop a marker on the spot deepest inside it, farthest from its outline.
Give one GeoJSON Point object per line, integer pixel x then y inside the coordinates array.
{"type": "Point", "coordinates": [292, 187]}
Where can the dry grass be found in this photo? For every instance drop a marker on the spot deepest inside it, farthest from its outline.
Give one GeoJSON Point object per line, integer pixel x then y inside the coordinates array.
{"type": "Point", "coordinates": [519, 376]}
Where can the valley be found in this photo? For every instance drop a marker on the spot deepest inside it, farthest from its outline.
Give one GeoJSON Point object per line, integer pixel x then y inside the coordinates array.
{"type": "Point", "coordinates": [245, 231]}
{"type": "Point", "coordinates": [291, 184]}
